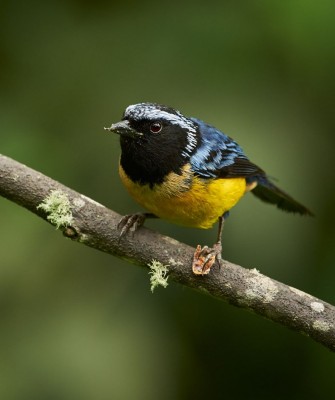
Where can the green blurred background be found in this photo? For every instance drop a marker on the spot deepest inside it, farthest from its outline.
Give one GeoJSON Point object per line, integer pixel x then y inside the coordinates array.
{"type": "Point", "coordinates": [79, 324]}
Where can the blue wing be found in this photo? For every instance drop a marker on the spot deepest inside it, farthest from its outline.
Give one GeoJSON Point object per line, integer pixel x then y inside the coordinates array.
{"type": "Point", "coordinates": [219, 156]}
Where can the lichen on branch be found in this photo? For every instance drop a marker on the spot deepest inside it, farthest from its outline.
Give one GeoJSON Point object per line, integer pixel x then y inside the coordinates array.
{"type": "Point", "coordinates": [58, 208]}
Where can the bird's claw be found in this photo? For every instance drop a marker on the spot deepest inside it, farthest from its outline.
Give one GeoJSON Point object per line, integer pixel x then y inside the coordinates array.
{"type": "Point", "coordinates": [130, 223]}
{"type": "Point", "coordinates": [205, 257]}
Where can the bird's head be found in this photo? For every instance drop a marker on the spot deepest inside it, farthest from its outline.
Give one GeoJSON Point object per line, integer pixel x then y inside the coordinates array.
{"type": "Point", "coordinates": [155, 140]}
{"type": "Point", "coordinates": [154, 126]}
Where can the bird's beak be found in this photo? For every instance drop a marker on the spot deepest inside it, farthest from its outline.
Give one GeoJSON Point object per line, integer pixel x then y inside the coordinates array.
{"type": "Point", "coordinates": [123, 128]}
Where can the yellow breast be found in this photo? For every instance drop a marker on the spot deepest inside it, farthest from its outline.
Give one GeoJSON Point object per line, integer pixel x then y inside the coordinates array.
{"type": "Point", "coordinates": [187, 199]}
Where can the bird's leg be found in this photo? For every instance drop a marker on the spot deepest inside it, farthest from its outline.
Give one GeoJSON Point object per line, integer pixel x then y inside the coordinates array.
{"type": "Point", "coordinates": [205, 257]}
{"type": "Point", "coordinates": [131, 222]}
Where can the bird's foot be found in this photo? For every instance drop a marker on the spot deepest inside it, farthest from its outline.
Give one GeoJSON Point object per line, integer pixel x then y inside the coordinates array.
{"type": "Point", "coordinates": [205, 257]}
{"type": "Point", "coordinates": [131, 222]}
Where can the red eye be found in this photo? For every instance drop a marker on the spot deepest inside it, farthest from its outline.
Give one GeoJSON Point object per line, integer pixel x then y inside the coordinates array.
{"type": "Point", "coordinates": [155, 127]}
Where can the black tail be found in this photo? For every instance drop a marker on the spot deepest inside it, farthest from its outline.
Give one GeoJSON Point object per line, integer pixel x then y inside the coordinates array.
{"type": "Point", "coordinates": [270, 193]}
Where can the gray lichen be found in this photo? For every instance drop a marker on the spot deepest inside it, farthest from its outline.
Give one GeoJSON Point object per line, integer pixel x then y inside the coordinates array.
{"type": "Point", "coordinates": [321, 326]}
{"type": "Point", "coordinates": [260, 287]}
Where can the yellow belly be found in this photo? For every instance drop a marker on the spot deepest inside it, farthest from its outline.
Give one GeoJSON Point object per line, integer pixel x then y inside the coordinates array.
{"type": "Point", "coordinates": [186, 199]}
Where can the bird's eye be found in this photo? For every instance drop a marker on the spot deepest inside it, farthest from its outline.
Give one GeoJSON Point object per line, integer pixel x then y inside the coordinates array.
{"type": "Point", "coordinates": [155, 127]}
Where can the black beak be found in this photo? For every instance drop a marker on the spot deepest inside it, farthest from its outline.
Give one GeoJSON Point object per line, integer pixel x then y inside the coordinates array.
{"type": "Point", "coordinates": [123, 128]}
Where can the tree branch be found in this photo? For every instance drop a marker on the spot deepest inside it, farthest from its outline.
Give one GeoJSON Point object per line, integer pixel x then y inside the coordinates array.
{"type": "Point", "coordinates": [96, 226]}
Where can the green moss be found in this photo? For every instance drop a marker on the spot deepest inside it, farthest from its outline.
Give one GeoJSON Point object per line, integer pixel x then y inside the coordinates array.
{"type": "Point", "coordinates": [158, 273]}
{"type": "Point", "coordinates": [58, 208]}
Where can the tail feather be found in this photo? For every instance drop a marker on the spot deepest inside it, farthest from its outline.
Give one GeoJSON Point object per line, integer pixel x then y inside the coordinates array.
{"type": "Point", "coordinates": [270, 193]}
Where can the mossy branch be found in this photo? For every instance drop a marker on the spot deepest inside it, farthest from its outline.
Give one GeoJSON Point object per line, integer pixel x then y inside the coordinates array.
{"type": "Point", "coordinates": [89, 222]}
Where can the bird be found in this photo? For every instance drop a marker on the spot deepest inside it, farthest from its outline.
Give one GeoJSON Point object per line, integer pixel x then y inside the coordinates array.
{"type": "Point", "coordinates": [188, 172]}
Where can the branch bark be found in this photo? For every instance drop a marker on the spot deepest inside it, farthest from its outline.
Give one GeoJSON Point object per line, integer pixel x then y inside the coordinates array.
{"type": "Point", "coordinates": [96, 226]}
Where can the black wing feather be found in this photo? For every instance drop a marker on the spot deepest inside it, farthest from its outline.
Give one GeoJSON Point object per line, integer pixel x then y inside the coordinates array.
{"type": "Point", "coordinates": [270, 193]}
